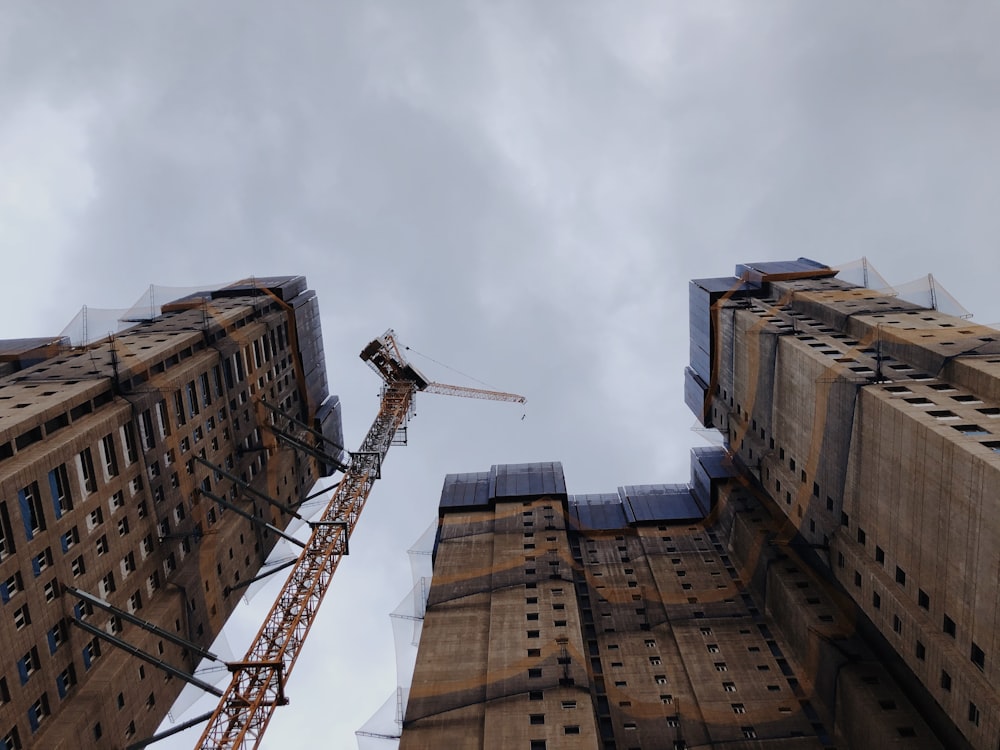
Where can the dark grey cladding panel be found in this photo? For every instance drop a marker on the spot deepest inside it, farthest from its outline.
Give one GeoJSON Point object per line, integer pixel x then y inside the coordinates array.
{"type": "Point", "coordinates": [465, 491]}
{"type": "Point", "coordinates": [527, 480]}
{"type": "Point", "coordinates": [719, 285]}
{"type": "Point", "coordinates": [702, 294]}
{"type": "Point", "coordinates": [649, 503]}
{"type": "Point", "coordinates": [696, 396]}
{"type": "Point", "coordinates": [716, 462]}
{"type": "Point", "coordinates": [310, 341]}
{"type": "Point", "coordinates": [329, 423]}
{"type": "Point", "coordinates": [603, 511]}
{"type": "Point", "coordinates": [284, 287]}
{"type": "Point", "coordinates": [708, 467]}
{"type": "Point", "coordinates": [756, 272]}
{"type": "Point", "coordinates": [20, 354]}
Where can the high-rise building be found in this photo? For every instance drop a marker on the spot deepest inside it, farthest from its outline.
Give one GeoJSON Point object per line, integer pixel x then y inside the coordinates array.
{"type": "Point", "coordinates": [143, 481]}
{"type": "Point", "coordinates": [828, 578]}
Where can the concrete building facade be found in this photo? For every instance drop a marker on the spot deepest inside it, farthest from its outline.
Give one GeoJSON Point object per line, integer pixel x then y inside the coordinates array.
{"type": "Point", "coordinates": [111, 457]}
{"type": "Point", "coordinates": [826, 579]}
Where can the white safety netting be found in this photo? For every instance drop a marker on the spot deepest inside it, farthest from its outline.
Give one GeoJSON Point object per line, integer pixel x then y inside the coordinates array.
{"type": "Point", "coordinates": [928, 292]}
{"type": "Point", "coordinates": [862, 273]}
{"type": "Point", "coordinates": [383, 729]}
{"type": "Point", "coordinates": [93, 323]}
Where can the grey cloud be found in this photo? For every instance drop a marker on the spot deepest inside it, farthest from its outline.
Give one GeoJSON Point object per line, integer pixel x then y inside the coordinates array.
{"type": "Point", "coordinates": [521, 189]}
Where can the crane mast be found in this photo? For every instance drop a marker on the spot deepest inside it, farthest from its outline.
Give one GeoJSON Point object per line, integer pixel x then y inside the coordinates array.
{"type": "Point", "coordinates": [257, 685]}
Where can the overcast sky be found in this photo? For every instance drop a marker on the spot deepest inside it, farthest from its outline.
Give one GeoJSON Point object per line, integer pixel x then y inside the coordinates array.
{"type": "Point", "coordinates": [522, 190]}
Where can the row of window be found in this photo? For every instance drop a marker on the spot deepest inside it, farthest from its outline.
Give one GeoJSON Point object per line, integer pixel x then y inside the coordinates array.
{"type": "Point", "coordinates": [948, 626]}
{"type": "Point", "coordinates": [87, 407]}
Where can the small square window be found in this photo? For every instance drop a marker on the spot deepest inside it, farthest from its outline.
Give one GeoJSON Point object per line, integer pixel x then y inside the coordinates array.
{"type": "Point", "coordinates": [942, 414]}
{"type": "Point", "coordinates": [978, 657]}
{"type": "Point", "coordinates": [945, 681]}
{"type": "Point", "coordinates": [537, 718]}
{"type": "Point", "coordinates": [22, 617]}
{"type": "Point", "coordinates": [949, 626]}
{"type": "Point", "coordinates": [970, 430]}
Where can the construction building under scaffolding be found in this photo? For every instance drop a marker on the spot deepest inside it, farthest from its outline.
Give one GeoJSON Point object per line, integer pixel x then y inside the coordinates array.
{"type": "Point", "coordinates": [144, 479]}
{"type": "Point", "coordinates": [827, 578]}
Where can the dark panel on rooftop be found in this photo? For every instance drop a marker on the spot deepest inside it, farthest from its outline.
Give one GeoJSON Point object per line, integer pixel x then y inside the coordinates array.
{"type": "Point", "coordinates": [465, 491]}
{"type": "Point", "coordinates": [310, 340]}
{"type": "Point", "coordinates": [648, 503]}
{"type": "Point", "coordinates": [329, 423]}
{"type": "Point", "coordinates": [190, 301]}
{"type": "Point", "coordinates": [16, 348]}
{"type": "Point", "coordinates": [719, 285]}
{"type": "Point", "coordinates": [717, 463]}
{"type": "Point", "coordinates": [695, 396]}
{"type": "Point", "coordinates": [601, 511]}
{"type": "Point", "coordinates": [19, 354]}
{"type": "Point", "coordinates": [708, 466]}
{"type": "Point", "coordinates": [702, 294]}
{"type": "Point", "coordinates": [528, 480]}
{"type": "Point", "coordinates": [283, 287]}
{"type": "Point", "coordinates": [781, 270]}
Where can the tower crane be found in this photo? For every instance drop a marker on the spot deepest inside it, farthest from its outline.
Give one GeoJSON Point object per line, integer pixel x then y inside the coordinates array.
{"type": "Point", "coordinates": [258, 683]}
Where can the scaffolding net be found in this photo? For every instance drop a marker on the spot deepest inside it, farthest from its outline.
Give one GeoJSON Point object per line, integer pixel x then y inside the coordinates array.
{"type": "Point", "coordinates": [384, 727]}
{"type": "Point", "coordinates": [862, 273]}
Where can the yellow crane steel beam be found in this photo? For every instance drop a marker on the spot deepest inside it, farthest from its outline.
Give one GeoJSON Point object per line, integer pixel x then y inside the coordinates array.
{"type": "Point", "coordinates": [257, 686]}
